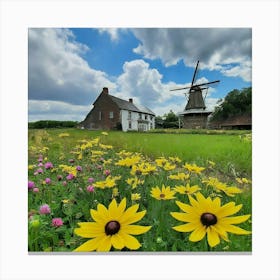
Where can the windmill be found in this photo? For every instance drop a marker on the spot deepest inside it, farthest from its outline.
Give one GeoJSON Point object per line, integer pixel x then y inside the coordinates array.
{"type": "Point", "coordinates": [195, 113]}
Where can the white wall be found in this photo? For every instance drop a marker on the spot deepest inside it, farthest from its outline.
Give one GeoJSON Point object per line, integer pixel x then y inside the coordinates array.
{"type": "Point", "coordinates": [134, 120]}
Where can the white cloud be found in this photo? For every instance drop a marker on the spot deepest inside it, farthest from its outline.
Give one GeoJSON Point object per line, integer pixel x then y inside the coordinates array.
{"type": "Point", "coordinates": [56, 110]}
{"type": "Point", "coordinates": [141, 82]}
{"type": "Point", "coordinates": [114, 33]}
{"type": "Point", "coordinates": [57, 70]}
{"type": "Point", "coordinates": [216, 48]}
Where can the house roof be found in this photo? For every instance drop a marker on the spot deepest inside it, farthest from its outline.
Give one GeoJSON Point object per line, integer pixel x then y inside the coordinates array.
{"type": "Point", "coordinates": [126, 105]}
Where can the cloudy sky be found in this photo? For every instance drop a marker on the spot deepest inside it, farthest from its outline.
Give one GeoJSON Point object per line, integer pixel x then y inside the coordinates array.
{"type": "Point", "coordinates": [67, 68]}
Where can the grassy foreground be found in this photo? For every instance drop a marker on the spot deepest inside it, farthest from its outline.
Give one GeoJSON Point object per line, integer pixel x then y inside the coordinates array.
{"type": "Point", "coordinates": [72, 171]}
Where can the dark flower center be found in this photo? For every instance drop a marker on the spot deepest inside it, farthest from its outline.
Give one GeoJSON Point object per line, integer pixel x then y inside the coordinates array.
{"type": "Point", "coordinates": [162, 195]}
{"type": "Point", "coordinates": [112, 227]}
{"type": "Point", "coordinates": [208, 219]}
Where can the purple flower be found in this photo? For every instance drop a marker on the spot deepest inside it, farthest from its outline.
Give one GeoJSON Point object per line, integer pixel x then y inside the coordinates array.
{"type": "Point", "coordinates": [40, 164]}
{"type": "Point", "coordinates": [59, 177]}
{"type": "Point", "coordinates": [70, 176]}
{"type": "Point", "coordinates": [48, 181]}
{"type": "Point", "coordinates": [48, 165]}
{"type": "Point", "coordinates": [79, 168]}
{"type": "Point", "coordinates": [90, 180]}
{"type": "Point", "coordinates": [39, 171]}
{"type": "Point", "coordinates": [90, 188]}
{"type": "Point", "coordinates": [64, 183]}
{"type": "Point", "coordinates": [40, 159]}
{"type": "Point", "coordinates": [107, 172]}
{"type": "Point", "coordinates": [57, 222]}
{"type": "Point", "coordinates": [45, 209]}
{"type": "Point", "coordinates": [31, 185]}
{"type": "Point", "coordinates": [35, 190]}
{"type": "Point", "coordinates": [71, 160]}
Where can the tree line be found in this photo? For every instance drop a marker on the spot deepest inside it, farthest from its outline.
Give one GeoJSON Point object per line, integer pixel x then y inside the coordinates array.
{"type": "Point", "coordinates": [52, 124]}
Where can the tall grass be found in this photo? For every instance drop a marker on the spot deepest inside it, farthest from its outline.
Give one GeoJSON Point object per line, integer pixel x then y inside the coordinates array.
{"type": "Point", "coordinates": [229, 152]}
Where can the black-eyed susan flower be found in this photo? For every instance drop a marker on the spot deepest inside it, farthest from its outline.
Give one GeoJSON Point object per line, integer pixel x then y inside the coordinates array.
{"type": "Point", "coordinates": [187, 189]}
{"type": "Point", "coordinates": [193, 168]}
{"type": "Point", "coordinates": [165, 193]}
{"type": "Point", "coordinates": [206, 216]}
{"type": "Point", "coordinates": [112, 227]}
{"type": "Point", "coordinates": [179, 176]}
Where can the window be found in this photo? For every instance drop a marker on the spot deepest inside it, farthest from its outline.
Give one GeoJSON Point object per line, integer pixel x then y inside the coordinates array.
{"type": "Point", "coordinates": [100, 115]}
{"type": "Point", "coordinates": [129, 124]}
{"type": "Point", "coordinates": [140, 116]}
{"type": "Point", "coordinates": [129, 115]}
{"type": "Point", "coordinates": [111, 115]}
{"type": "Point", "coordinates": [146, 117]}
{"type": "Point", "coordinates": [151, 117]}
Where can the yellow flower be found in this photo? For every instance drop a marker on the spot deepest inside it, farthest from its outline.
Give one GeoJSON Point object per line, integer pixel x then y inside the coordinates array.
{"type": "Point", "coordinates": [179, 176]}
{"type": "Point", "coordinates": [168, 166]}
{"type": "Point", "coordinates": [134, 182]}
{"type": "Point", "coordinates": [165, 193]}
{"type": "Point", "coordinates": [109, 182]}
{"type": "Point", "coordinates": [115, 192]}
{"type": "Point", "coordinates": [175, 159]}
{"type": "Point", "coordinates": [193, 168]}
{"type": "Point", "coordinates": [105, 147]}
{"type": "Point", "coordinates": [62, 135]}
{"type": "Point", "coordinates": [143, 169]}
{"type": "Point", "coordinates": [219, 186]}
{"type": "Point", "coordinates": [31, 166]}
{"type": "Point", "coordinates": [135, 196]}
{"type": "Point", "coordinates": [112, 227]}
{"type": "Point", "coordinates": [129, 161]}
{"type": "Point", "coordinates": [104, 133]}
{"type": "Point", "coordinates": [161, 161]}
{"type": "Point", "coordinates": [187, 189]}
{"type": "Point", "coordinates": [205, 216]}
{"type": "Point", "coordinates": [243, 181]}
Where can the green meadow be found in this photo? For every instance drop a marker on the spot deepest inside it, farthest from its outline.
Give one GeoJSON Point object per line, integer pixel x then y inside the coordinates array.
{"type": "Point", "coordinates": [71, 171]}
{"type": "Point", "coordinates": [230, 150]}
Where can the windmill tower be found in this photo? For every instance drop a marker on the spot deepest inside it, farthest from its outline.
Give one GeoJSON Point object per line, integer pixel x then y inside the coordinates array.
{"type": "Point", "coordinates": [195, 113]}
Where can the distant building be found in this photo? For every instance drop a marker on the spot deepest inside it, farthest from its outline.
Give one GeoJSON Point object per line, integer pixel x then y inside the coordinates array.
{"type": "Point", "coordinates": [110, 112]}
{"type": "Point", "coordinates": [234, 122]}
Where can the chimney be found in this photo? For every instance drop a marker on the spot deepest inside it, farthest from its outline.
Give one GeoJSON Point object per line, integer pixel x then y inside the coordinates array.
{"type": "Point", "coordinates": [105, 90]}
{"type": "Point", "coordinates": [130, 100]}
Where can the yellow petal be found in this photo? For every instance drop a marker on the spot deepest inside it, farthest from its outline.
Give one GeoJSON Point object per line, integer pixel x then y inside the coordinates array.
{"type": "Point", "coordinates": [186, 227]}
{"type": "Point", "coordinates": [98, 217]}
{"type": "Point", "coordinates": [197, 234]}
{"type": "Point", "coordinates": [89, 246]}
{"type": "Point", "coordinates": [228, 209]}
{"type": "Point", "coordinates": [114, 211]}
{"type": "Point", "coordinates": [89, 230]}
{"type": "Point", "coordinates": [184, 217]}
{"type": "Point", "coordinates": [130, 242]}
{"type": "Point", "coordinates": [212, 237]}
{"type": "Point", "coordinates": [135, 229]}
{"type": "Point", "coordinates": [236, 230]}
{"type": "Point", "coordinates": [104, 244]}
{"type": "Point", "coordinates": [234, 220]}
{"type": "Point", "coordinates": [117, 241]}
{"type": "Point", "coordinates": [102, 210]}
{"type": "Point", "coordinates": [186, 208]}
{"type": "Point", "coordinates": [122, 206]}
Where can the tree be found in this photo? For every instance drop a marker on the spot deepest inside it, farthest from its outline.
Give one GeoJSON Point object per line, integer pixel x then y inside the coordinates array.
{"type": "Point", "coordinates": [170, 120]}
{"type": "Point", "coordinates": [237, 102]}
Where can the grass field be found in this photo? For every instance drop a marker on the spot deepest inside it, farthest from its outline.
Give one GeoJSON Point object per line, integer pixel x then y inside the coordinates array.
{"type": "Point", "coordinates": [72, 171]}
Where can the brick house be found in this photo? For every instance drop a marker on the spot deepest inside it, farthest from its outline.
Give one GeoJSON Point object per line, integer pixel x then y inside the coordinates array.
{"type": "Point", "coordinates": [110, 112]}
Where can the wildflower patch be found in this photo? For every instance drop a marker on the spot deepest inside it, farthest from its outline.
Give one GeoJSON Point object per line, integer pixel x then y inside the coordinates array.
{"type": "Point", "coordinates": [95, 197]}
